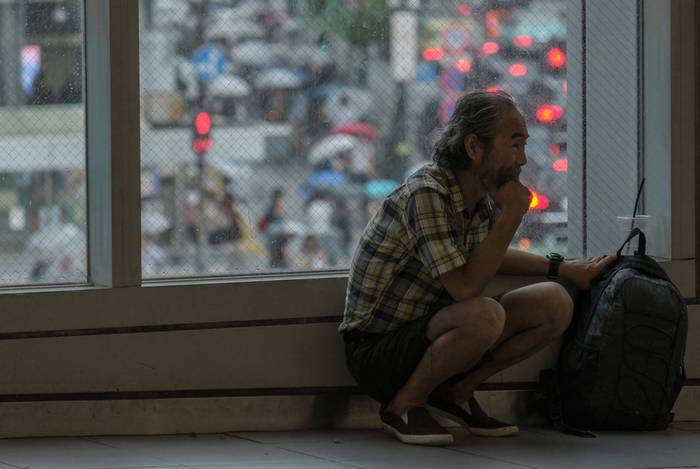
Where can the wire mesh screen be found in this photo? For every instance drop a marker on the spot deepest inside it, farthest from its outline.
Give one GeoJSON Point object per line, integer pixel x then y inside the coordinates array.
{"type": "Point", "coordinates": [42, 141]}
{"type": "Point", "coordinates": [273, 130]}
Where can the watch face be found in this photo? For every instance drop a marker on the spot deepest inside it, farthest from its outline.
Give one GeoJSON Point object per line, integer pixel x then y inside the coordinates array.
{"type": "Point", "coordinates": [554, 256]}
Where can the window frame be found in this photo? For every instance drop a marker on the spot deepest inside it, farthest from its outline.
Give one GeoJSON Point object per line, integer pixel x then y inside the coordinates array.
{"type": "Point", "coordinates": [118, 297]}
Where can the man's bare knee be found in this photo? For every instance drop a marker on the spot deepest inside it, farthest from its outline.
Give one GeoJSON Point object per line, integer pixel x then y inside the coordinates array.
{"type": "Point", "coordinates": [482, 319]}
{"type": "Point", "coordinates": [558, 308]}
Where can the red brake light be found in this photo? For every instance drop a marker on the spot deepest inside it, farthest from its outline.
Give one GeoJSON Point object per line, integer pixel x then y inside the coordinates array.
{"type": "Point", "coordinates": [560, 166]}
{"type": "Point", "coordinates": [556, 57]}
{"type": "Point", "coordinates": [491, 89]}
{"type": "Point", "coordinates": [538, 201]}
{"type": "Point", "coordinates": [554, 149]}
{"type": "Point", "coordinates": [517, 70]}
{"type": "Point", "coordinates": [493, 24]}
{"type": "Point", "coordinates": [490, 48]}
{"type": "Point", "coordinates": [464, 65]}
{"type": "Point", "coordinates": [464, 9]}
{"type": "Point", "coordinates": [524, 40]}
{"type": "Point", "coordinates": [547, 113]}
{"type": "Point", "coordinates": [433, 54]}
{"type": "Point", "coordinates": [202, 123]}
{"type": "Point", "coordinates": [201, 146]}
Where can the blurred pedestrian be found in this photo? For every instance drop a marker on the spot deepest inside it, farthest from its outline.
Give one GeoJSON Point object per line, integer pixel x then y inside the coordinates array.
{"type": "Point", "coordinates": [321, 215]}
{"type": "Point", "coordinates": [279, 251]}
{"type": "Point", "coordinates": [41, 92]}
{"type": "Point", "coordinates": [71, 91]}
{"type": "Point", "coordinates": [152, 255]}
{"type": "Point", "coordinates": [274, 212]}
{"type": "Point", "coordinates": [311, 255]}
{"type": "Point", "coordinates": [342, 113]}
{"type": "Point", "coordinates": [228, 226]}
{"type": "Point", "coordinates": [190, 213]}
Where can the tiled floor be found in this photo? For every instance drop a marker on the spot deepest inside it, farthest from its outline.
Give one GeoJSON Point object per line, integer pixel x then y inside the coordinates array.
{"type": "Point", "coordinates": [533, 448]}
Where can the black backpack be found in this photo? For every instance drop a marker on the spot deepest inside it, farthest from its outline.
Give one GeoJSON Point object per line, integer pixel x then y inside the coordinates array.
{"type": "Point", "coordinates": [621, 365]}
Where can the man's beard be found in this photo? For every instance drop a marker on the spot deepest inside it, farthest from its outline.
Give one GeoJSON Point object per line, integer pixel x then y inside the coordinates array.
{"type": "Point", "coordinates": [505, 175]}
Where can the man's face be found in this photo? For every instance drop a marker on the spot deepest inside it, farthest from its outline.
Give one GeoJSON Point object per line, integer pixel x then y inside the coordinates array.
{"type": "Point", "coordinates": [507, 154]}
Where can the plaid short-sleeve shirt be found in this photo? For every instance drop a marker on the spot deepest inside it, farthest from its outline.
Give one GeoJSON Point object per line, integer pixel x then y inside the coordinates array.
{"type": "Point", "coordinates": [421, 231]}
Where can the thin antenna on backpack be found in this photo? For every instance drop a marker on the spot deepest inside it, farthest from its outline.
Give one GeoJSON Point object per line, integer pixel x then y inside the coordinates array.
{"type": "Point", "coordinates": [636, 203]}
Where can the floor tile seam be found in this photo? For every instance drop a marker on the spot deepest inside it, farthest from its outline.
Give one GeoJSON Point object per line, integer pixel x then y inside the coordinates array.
{"type": "Point", "coordinates": [321, 458]}
{"type": "Point", "coordinates": [668, 467]}
{"type": "Point", "coordinates": [7, 464]}
{"type": "Point", "coordinates": [97, 442]}
{"type": "Point", "coordinates": [158, 462]}
{"type": "Point", "coordinates": [168, 466]}
{"type": "Point", "coordinates": [686, 430]}
{"type": "Point", "coordinates": [492, 458]}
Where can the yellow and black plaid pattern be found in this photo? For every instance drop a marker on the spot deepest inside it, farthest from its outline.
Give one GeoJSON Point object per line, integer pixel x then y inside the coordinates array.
{"type": "Point", "coordinates": [421, 231]}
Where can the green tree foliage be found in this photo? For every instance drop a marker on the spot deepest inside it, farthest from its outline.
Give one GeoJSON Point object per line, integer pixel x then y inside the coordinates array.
{"type": "Point", "coordinates": [362, 25]}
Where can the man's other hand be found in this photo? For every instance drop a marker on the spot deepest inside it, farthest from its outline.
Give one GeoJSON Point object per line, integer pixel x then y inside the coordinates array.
{"type": "Point", "coordinates": [581, 272]}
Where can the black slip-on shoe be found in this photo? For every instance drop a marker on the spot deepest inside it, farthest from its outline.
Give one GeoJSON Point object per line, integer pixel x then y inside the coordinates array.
{"type": "Point", "coordinates": [415, 427]}
{"type": "Point", "coordinates": [476, 420]}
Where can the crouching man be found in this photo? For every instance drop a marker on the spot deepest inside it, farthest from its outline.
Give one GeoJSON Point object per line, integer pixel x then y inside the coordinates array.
{"type": "Point", "coordinates": [418, 330]}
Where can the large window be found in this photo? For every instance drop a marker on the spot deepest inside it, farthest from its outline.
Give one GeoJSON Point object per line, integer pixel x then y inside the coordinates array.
{"type": "Point", "coordinates": [42, 143]}
{"type": "Point", "coordinates": [312, 112]}
{"type": "Point", "coordinates": [309, 113]}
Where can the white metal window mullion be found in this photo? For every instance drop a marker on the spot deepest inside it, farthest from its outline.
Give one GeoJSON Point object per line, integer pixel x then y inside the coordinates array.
{"type": "Point", "coordinates": [113, 142]}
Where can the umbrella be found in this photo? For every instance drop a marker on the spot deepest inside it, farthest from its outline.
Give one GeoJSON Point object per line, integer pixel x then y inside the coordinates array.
{"type": "Point", "coordinates": [276, 78]}
{"type": "Point", "coordinates": [230, 86]}
{"type": "Point", "coordinates": [330, 147]}
{"type": "Point", "coordinates": [154, 222]}
{"type": "Point", "coordinates": [357, 129]}
{"type": "Point", "coordinates": [234, 29]}
{"type": "Point", "coordinates": [55, 243]}
{"type": "Point", "coordinates": [248, 9]}
{"type": "Point", "coordinates": [380, 188]}
{"type": "Point", "coordinates": [326, 179]}
{"type": "Point", "coordinates": [358, 103]}
{"type": "Point", "coordinates": [255, 53]}
{"type": "Point", "coordinates": [307, 54]}
{"type": "Point", "coordinates": [286, 228]}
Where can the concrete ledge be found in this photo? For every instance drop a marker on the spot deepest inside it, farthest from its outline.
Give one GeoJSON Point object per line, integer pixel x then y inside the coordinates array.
{"type": "Point", "coordinates": [227, 414]}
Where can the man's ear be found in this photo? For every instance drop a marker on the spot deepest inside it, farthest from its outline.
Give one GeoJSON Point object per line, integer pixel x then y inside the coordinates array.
{"type": "Point", "coordinates": [473, 147]}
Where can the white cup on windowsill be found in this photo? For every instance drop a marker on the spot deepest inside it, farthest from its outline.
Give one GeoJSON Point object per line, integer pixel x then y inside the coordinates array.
{"type": "Point", "coordinates": [646, 223]}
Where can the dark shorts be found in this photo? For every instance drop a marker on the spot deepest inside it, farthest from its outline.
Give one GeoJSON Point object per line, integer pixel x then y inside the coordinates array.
{"type": "Point", "coordinates": [382, 363]}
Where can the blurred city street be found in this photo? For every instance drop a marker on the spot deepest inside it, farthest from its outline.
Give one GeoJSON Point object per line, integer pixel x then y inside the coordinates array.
{"type": "Point", "coordinates": [271, 130]}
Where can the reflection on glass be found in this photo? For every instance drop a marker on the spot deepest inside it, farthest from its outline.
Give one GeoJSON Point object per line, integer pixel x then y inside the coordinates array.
{"type": "Point", "coordinates": [311, 127]}
{"type": "Point", "coordinates": [42, 141]}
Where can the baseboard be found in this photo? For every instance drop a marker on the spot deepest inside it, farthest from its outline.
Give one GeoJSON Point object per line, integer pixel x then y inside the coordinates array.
{"type": "Point", "coordinates": [244, 413]}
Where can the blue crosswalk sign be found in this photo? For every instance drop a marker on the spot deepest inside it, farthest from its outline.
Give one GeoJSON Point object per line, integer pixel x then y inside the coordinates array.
{"type": "Point", "coordinates": [209, 61]}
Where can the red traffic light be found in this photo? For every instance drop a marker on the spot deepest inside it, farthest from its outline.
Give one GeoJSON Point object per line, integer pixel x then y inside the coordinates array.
{"type": "Point", "coordinates": [202, 123]}
{"type": "Point", "coordinates": [433, 54]}
{"type": "Point", "coordinates": [201, 142]}
{"type": "Point", "coordinates": [490, 47]}
{"type": "Point", "coordinates": [547, 113]}
{"type": "Point", "coordinates": [556, 58]}
{"type": "Point", "coordinates": [202, 145]}
{"type": "Point", "coordinates": [523, 41]}
{"type": "Point", "coordinates": [538, 201]}
{"type": "Point", "coordinates": [517, 70]}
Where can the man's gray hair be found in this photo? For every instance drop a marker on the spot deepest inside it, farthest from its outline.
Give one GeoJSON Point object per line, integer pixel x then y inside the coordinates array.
{"type": "Point", "coordinates": [476, 113]}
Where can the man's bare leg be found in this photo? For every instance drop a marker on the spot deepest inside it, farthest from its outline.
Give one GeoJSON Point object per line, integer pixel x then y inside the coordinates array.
{"type": "Point", "coordinates": [527, 320]}
{"type": "Point", "coordinates": [535, 316]}
{"type": "Point", "coordinates": [459, 334]}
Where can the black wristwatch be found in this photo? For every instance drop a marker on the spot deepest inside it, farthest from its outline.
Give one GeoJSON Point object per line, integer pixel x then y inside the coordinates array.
{"type": "Point", "coordinates": [554, 260]}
